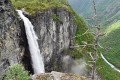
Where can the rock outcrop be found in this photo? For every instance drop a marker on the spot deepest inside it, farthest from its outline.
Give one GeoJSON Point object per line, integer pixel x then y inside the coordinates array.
{"type": "Point", "coordinates": [57, 76]}
{"type": "Point", "coordinates": [9, 37]}
{"type": "Point", "coordinates": [55, 29]}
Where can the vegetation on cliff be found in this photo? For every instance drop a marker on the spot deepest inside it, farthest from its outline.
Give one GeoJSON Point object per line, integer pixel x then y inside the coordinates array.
{"type": "Point", "coordinates": [17, 72]}
{"type": "Point", "coordinates": [35, 6]}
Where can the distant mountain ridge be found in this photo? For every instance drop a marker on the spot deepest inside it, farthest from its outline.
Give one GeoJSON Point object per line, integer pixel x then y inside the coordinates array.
{"type": "Point", "coordinates": [108, 10]}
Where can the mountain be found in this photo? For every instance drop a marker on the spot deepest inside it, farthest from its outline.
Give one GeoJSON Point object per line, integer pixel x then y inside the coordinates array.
{"type": "Point", "coordinates": [111, 41]}
{"type": "Point", "coordinates": [108, 11]}
{"type": "Point", "coordinates": [56, 26]}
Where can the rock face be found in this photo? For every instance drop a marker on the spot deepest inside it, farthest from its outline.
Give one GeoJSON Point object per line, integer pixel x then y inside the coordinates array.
{"type": "Point", "coordinates": [54, 28]}
{"type": "Point", "coordinates": [57, 76]}
{"type": "Point", "coordinates": [9, 37]}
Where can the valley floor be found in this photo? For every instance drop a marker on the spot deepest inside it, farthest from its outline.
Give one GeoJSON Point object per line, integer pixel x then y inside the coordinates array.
{"type": "Point", "coordinates": [106, 72]}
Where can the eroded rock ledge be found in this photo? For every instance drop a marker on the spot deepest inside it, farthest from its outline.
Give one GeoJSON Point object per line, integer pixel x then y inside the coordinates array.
{"type": "Point", "coordinates": [57, 76]}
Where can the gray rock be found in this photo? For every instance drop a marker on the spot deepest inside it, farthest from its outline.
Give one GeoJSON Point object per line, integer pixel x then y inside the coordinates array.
{"type": "Point", "coordinates": [54, 28]}
{"type": "Point", "coordinates": [57, 76]}
{"type": "Point", "coordinates": [9, 37]}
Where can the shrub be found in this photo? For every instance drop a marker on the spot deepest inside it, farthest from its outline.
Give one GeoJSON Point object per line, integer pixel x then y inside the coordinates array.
{"type": "Point", "coordinates": [17, 72]}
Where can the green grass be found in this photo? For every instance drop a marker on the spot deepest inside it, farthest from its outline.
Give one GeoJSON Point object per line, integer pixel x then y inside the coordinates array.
{"type": "Point", "coordinates": [34, 6]}
{"type": "Point", "coordinates": [56, 18]}
{"type": "Point", "coordinates": [106, 72]}
{"type": "Point", "coordinates": [81, 29]}
{"type": "Point", "coordinates": [113, 27]}
{"type": "Point", "coordinates": [75, 53]}
{"type": "Point", "coordinates": [111, 41]}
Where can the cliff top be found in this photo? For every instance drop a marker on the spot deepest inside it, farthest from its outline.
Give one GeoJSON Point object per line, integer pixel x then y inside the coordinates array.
{"type": "Point", "coordinates": [33, 6]}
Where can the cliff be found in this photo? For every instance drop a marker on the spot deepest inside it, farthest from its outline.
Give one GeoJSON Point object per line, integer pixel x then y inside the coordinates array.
{"type": "Point", "coordinates": [55, 28]}
{"type": "Point", "coordinates": [9, 36]}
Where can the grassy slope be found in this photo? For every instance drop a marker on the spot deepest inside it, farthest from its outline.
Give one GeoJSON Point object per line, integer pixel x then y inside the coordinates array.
{"type": "Point", "coordinates": [106, 72]}
{"type": "Point", "coordinates": [33, 6]}
{"type": "Point", "coordinates": [111, 41]}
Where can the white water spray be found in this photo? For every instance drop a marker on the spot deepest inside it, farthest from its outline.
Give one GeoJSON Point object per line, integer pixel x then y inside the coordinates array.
{"type": "Point", "coordinates": [112, 66]}
{"type": "Point", "coordinates": [37, 61]}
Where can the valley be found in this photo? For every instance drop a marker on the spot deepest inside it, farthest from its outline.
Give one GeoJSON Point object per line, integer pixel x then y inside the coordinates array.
{"type": "Point", "coordinates": [59, 40]}
{"type": "Point", "coordinates": [108, 13]}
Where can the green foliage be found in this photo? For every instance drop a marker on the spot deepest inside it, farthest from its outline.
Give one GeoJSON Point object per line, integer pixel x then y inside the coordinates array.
{"type": "Point", "coordinates": [17, 72]}
{"type": "Point", "coordinates": [111, 41]}
{"type": "Point", "coordinates": [113, 27]}
{"type": "Point", "coordinates": [88, 37]}
{"type": "Point", "coordinates": [106, 72]}
{"type": "Point", "coordinates": [81, 29]}
{"type": "Point", "coordinates": [75, 53]}
{"type": "Point", "coordinates": [33, 6]}
{"type": "Point", "coordinates": [56, 18]}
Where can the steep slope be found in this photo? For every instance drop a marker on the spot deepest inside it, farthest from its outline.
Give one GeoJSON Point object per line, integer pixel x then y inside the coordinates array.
{"type": "Point", "coordinates": [10, 50]}
{"type": "Point", "coordinates": [111, 43]}
{"type": "Point", "coordinates": [111, 40]}
{"type": "Point", "coordinates": [108, 10]}
{"type": "Point", "coordinates": [56, 26]}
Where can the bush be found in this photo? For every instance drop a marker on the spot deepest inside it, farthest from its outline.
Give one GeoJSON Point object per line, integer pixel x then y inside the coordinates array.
{"type": "Point", "coordinates": [17, 72]}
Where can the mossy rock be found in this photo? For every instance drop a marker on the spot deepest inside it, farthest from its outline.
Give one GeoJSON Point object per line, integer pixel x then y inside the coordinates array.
{"type": "Point", "coordinates": [44, 76]}
{"type": "Point", "coordinates": [57, 76]}
{"type": "Point", "coordinates": [72, 77]}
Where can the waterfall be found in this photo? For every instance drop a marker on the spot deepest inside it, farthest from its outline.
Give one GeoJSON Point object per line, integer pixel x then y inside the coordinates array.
{"type": "Point", "coordinates": [111, 65]}
{"type": "Point", "coordinates": [37, 59]}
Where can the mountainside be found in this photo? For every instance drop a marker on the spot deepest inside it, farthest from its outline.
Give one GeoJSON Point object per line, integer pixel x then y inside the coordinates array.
{"type": "Point", "coordinates": [111, 41]}
{"type": "Point", "coordinates": [108, 11]}
{"type": "Point", "coordinates": [10, 49]}
{"type": "Point", "coordinates": [111, 44]}
{"type": "Point", "coordinates": [55, 24]}
{"type": "Point", "coordinates": [54, 28]}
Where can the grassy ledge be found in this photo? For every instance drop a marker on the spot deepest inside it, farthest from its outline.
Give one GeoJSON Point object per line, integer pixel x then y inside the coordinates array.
{"type": "Point", "coordinates": [33, 6]}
